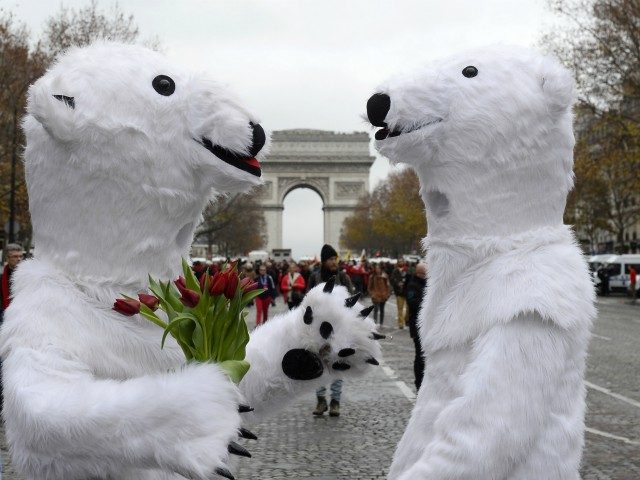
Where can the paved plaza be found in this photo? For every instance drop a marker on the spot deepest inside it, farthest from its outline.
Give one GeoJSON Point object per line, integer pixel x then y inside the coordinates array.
{"type": "Point", "coordinates": [360, 443]}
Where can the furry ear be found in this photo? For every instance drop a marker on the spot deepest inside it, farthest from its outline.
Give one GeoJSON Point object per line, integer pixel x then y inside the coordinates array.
{"type": "Point", "coordinates": [54, 110]}
{"type": "Point", "coordinates": [557, 86]}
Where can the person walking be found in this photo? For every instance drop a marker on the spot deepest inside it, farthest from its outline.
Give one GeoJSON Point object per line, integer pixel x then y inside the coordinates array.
{"type": "Point", "coordinates": [267, 297]}
{"type": "Point", "coordinates": [633, 277]}
{"type": "Point", "coordinates": [414, 293]}
{"type": "Point", "coordinates": [329, 268]}
{"type": "Point", "coordinates": [14, 254]}
{"type": "Point", "coordinates": [292, 286]}
{"type": "Point", "coordinates": [397, 282]}
{"type": "Point", "coordinates": [603, 275]}
{"type": "Point", "coordinates": [379, 291]}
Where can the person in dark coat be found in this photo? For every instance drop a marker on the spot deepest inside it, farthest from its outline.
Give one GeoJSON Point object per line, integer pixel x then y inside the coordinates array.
{"type": "Point", "coordinates": [414, 293]}
{"type": "Point", "coordinates": [329, 268]}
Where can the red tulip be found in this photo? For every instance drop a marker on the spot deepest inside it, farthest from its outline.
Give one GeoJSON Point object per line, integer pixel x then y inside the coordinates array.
{"type": "Point", "coordinates": [247, 285]}
{"type": "Point", "coordinates": [181, 284]}
{"type": "Point", "coordinates": [218, 284]}
{"type": "Point", "coordinates": [232, 284]}
{"type": "Point", "coordinates": [150, 301]}
{"type": "Point", "coordinates": [189, 298]}
{"type": "Point", "coordinates": [127, 306]}
{"type": "Point", "coordinates": [203, 281]}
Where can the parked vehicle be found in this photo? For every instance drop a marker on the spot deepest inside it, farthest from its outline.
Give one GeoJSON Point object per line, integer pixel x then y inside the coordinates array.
{"type": "Point", "coordinates": [618, 267]}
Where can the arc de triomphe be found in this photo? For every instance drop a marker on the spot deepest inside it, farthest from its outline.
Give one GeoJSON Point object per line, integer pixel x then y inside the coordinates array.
{"type": "Point", "coordinates": [335, 165]}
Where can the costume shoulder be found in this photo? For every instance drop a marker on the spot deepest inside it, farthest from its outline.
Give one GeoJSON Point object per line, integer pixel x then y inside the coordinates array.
{"type": "Point", "coordinates": [544, 273]}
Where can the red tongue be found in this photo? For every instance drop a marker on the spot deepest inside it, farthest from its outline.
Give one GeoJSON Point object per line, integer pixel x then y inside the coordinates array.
{"type": "Point", "coordinates": [253, 162]}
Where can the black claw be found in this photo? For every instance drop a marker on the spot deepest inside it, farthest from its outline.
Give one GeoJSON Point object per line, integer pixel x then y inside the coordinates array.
{"type": "Point", "coordinates": [308, 316]}
{"type": "Point", "coordinates": [377, 336]}
{"type": "Point", "coordinates": [328, 287]}
{"type": "Point", "coordinates": [301, 364]}
{"type": "Point", "coordinates": [223, 472]}
{"type": "Point", "coordinates": [326, 329]}
{"type": "Point", "coordinates": [366, 311]}
{"type": "Point", "coordinates": [236, 449]}
{"type": "Point", "coordinates": [346, 352]}
{"type": "Point", "coordinates": [351, 301]}
{"type": "Point", "coordinates": [244, 433]}
{"type": "Point", "coordinates": [341, 366]}
{"type": "Point", "coordinates": [372, 361]}
{"type": "Point", "coordinates": [244, 409]}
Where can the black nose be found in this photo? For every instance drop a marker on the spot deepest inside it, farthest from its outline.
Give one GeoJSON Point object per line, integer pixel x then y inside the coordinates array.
{"type": "Point", "coordinates": [377, 108]}
{"type": "Point", "coordinates": [259, 138]}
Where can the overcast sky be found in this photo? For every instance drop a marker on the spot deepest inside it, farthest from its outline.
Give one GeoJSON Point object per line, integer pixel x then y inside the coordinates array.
{"type": "Point", "coordinates": [313, 64]}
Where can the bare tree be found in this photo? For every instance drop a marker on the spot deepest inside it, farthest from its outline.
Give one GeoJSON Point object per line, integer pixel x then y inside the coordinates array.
{"type": "Point", "coordinates": [234, 223]}
{"type": "Point", "coordinates": [21, 63]}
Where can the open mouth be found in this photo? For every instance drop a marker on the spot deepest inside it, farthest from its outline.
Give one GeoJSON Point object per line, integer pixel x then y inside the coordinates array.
{"type": "Point", "coordinates": [386, 133]}
{"type": "Point", "coordinates": [248, 164]}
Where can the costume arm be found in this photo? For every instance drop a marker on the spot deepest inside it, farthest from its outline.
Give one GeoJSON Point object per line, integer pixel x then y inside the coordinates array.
{"type": "Point", "coordinates": [506, 390]}
{"type": "Point", "coordinates": [64, 423]}
{"type": "Point", "coordinates": [298, 351]}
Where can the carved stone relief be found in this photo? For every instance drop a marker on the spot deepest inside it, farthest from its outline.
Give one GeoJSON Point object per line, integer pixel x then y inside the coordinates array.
{"type": "Point", "coordinates": [349, 189]}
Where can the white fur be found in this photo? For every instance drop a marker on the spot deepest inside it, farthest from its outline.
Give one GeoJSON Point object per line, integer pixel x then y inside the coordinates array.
{"type": "Point", "coordinates": [506, 318]}
{"type": "Point", "coordinates": [116, 189]}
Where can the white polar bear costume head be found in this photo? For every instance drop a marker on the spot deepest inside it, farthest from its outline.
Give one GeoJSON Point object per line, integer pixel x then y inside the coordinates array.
{"type": "Point", "coordinates": [124, 149]}
{"type": "Point", "coordinates": [489, 133]}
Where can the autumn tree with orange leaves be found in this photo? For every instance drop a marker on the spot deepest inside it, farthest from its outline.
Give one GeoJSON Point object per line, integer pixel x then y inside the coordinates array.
{"type": "Point", "coordinates": [599, 40]}
{"type": "Point", "coordinates": [391, 219]}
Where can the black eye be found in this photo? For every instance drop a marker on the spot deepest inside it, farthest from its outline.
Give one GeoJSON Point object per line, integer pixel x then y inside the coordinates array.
{"type": "Point", "coordinates": [470, 71]}
{"type": "Point", "coordinates": [164, 85]}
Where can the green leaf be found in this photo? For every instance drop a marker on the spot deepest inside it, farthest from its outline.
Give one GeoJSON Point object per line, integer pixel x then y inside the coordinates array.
{"type": "Point", "coordinates": [150, 315]}
{"type": "Point", "coordinates": [198, 340]}
{"type": "Point", "coordinates": [190, 277]}
{"type": "Point", "coordinates": [172, 296]}
{"type": "Point", "coordinates": [174, 324]}
{"type": "Point", "coordinates": [235, 369]}
{"type": "Point", "coordinates": [247, 297]}
{"type": "Point", "coordinates": [155, 288]}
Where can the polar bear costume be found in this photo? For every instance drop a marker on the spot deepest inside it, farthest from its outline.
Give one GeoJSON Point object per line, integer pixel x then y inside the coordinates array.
{"type": "Point", "coordinates": [123, 151]}
{"type": "Point", "coordinates": [506, 318]}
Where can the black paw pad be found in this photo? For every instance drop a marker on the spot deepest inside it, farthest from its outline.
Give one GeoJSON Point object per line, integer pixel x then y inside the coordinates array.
{"type": "Point", "coordinates": [301, 364]}
{"type": "Point", "coordinates": [326, 329]}
{"type": "Point", "coordinates": [244, 409]}
{"type": "Point", "coordinates": [377, 336]}
{"type": "Point", "coordinates": [341, 366]}
{"type": "Point", "coordinates": [308, 316]}
{"type": "Point", "coordinates": [346, 352]}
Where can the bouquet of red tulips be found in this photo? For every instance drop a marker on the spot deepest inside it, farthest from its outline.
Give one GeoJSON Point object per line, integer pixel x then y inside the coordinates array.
{"type": "Point", "coordinates": [206, 317]}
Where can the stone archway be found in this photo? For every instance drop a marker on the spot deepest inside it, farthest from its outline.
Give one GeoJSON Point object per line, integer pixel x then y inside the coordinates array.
{"type": "Point", "coordinates": [335, 165]}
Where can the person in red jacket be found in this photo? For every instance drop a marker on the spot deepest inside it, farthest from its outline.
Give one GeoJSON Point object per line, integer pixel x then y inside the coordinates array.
{"type": "Point", "coordinates": [14, 255]}
{"type": "Point", "coordinates": [633, 277]}
{"type": "Point", "coordinates": [293, 286]}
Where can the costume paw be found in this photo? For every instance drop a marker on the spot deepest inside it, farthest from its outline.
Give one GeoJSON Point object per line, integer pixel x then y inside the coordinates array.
{"type": "Point", "coordinates": [335, 333]}
{"type": "Point", "coordinates": [206, 435]}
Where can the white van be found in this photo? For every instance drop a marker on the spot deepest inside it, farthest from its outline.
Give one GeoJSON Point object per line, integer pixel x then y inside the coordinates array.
{"type": "Point", "coordinates": [619, 266]}
{"type": "Point", "coordinates": [261, 255]}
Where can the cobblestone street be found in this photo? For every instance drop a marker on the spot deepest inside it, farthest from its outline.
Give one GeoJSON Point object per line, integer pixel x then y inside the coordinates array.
{"type": "Point", "coordinates": [360, 443]}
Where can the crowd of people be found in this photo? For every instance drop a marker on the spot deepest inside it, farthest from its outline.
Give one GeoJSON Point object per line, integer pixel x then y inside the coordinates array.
{"type": "Point", "coordinates": [378, 280]}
